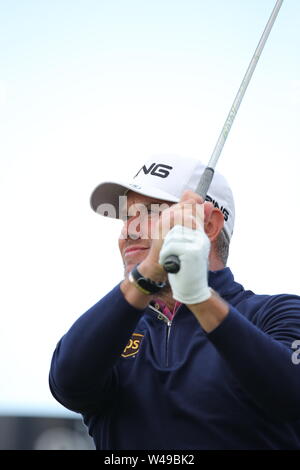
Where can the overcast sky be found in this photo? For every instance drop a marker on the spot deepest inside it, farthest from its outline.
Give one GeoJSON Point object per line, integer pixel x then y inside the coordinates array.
{"type": "Point", "coordinates": [89, 89]}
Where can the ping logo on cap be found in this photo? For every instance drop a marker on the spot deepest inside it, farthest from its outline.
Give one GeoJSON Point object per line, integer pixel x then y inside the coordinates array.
{"type": "Point", "coordinates": [133, 345]}
{"type": "Point", "coordinates": [156, 169]}
{"type": "Point", "coordinates": [224, 211]}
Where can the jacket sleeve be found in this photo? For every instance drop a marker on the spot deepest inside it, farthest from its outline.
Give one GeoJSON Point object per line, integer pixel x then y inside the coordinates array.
{"type": "Point", "coordinates": [261, 355]}
{"type": "Point", "coordinates": [82, 374]}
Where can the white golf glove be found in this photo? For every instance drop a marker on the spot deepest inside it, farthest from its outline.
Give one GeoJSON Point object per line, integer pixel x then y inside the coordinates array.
{"type": "Point", "coordinates": [190, 284]}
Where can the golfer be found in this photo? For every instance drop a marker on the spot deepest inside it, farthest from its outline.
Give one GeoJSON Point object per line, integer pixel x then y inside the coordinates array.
{"type": "Point", "coordinates": [180, 361]}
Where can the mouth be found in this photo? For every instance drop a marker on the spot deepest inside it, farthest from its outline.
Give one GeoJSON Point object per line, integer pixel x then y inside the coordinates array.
{"type": "Point", "coordinates": [133, 250]}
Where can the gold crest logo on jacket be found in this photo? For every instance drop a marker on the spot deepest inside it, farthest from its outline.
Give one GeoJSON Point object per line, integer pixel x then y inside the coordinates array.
{"type": "Point", "coordinates": [133, 345]}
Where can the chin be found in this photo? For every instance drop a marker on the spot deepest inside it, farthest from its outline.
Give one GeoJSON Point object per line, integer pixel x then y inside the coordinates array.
{"type": "Point", "coordinates": [127, 269]}
{"type": "Point", "coordinates": [132, 261]}
{"type": "Point", "coordinates": [128, 266]}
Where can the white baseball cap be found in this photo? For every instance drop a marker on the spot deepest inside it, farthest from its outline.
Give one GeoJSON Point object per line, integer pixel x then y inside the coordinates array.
{"type": "Point", "coordinates": [166, 177]}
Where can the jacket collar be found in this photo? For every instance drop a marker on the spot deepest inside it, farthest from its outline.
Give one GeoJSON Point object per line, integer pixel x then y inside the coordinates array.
{"type": "Point", "coordinates": [223, 283]}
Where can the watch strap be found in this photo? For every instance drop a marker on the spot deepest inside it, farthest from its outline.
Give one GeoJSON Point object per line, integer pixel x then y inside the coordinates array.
{"type": "Point", "coordinates": [145, 285]}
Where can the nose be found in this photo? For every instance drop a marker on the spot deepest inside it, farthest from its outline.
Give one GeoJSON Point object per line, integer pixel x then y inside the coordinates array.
{"type": "Point", "coordinates": [130, 230]}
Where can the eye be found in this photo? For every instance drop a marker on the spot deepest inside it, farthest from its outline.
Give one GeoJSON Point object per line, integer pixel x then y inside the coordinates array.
{"type": "Point", "coordinates": [153, 212]}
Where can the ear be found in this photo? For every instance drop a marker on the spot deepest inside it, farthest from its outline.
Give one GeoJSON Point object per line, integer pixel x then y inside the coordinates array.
{"type": "Point", "coordinates": [213, 222]}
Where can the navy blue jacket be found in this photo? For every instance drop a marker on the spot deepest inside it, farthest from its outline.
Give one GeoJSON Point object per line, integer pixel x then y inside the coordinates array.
{"type": "Point", "coordinates": [142, 382]}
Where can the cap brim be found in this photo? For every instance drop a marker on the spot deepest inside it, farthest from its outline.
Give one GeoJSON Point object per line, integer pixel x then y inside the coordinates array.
{"type": "Point", "coordinates": [109, 193]}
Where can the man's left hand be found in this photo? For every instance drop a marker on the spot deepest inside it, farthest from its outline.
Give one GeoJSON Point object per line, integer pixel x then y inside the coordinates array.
{"type": "Point", "coordinates": [192, 246]}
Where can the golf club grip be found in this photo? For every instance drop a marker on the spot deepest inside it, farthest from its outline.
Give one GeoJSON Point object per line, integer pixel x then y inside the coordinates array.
{"type": "Point", "coordinates": [172, 263]}
{"type": "Point", "coordinates": [204, 182]}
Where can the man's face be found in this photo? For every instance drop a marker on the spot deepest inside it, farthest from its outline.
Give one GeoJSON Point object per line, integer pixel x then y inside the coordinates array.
{"type": "Point", "coordinates": [139, 228]}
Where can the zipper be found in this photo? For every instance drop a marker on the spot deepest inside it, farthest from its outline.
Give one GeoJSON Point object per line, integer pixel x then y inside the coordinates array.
{"type": "Point", "coordinates": [163, 317]}
{"type": "Point", "coordinates": [169, 324]}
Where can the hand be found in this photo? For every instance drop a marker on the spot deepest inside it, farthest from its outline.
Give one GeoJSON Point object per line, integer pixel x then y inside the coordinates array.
{"type": "Point", "coordinates": [189, 212]}
{"type": "Point", "coordinates": [190, 284]}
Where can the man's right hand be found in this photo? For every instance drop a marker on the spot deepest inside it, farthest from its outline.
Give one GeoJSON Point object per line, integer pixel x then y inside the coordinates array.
{"type": "Point", "coordinates": [189, 212]}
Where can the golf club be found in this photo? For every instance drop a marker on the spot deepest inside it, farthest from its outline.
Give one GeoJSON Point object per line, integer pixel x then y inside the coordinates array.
{"type": "Point", "coordinates": [172, 263]}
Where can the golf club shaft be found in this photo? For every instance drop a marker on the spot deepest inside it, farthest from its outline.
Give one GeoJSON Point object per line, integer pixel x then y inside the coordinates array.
{"type": "Point", "coordinates": [172, 263]}
{"type": "Point", "coordinates": [207, 176]}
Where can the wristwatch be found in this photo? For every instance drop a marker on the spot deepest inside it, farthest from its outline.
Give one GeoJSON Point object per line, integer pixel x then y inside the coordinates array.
{"type": "Point", "coordinates": [145, 285]}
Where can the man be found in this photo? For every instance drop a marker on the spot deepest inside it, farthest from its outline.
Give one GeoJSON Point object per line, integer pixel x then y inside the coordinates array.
{"type": "Point", "coordinates": [188, 360]}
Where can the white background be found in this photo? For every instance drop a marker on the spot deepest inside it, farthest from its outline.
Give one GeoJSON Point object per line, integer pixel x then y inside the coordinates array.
{"type": "Point", "coordinates": [88, 91]}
